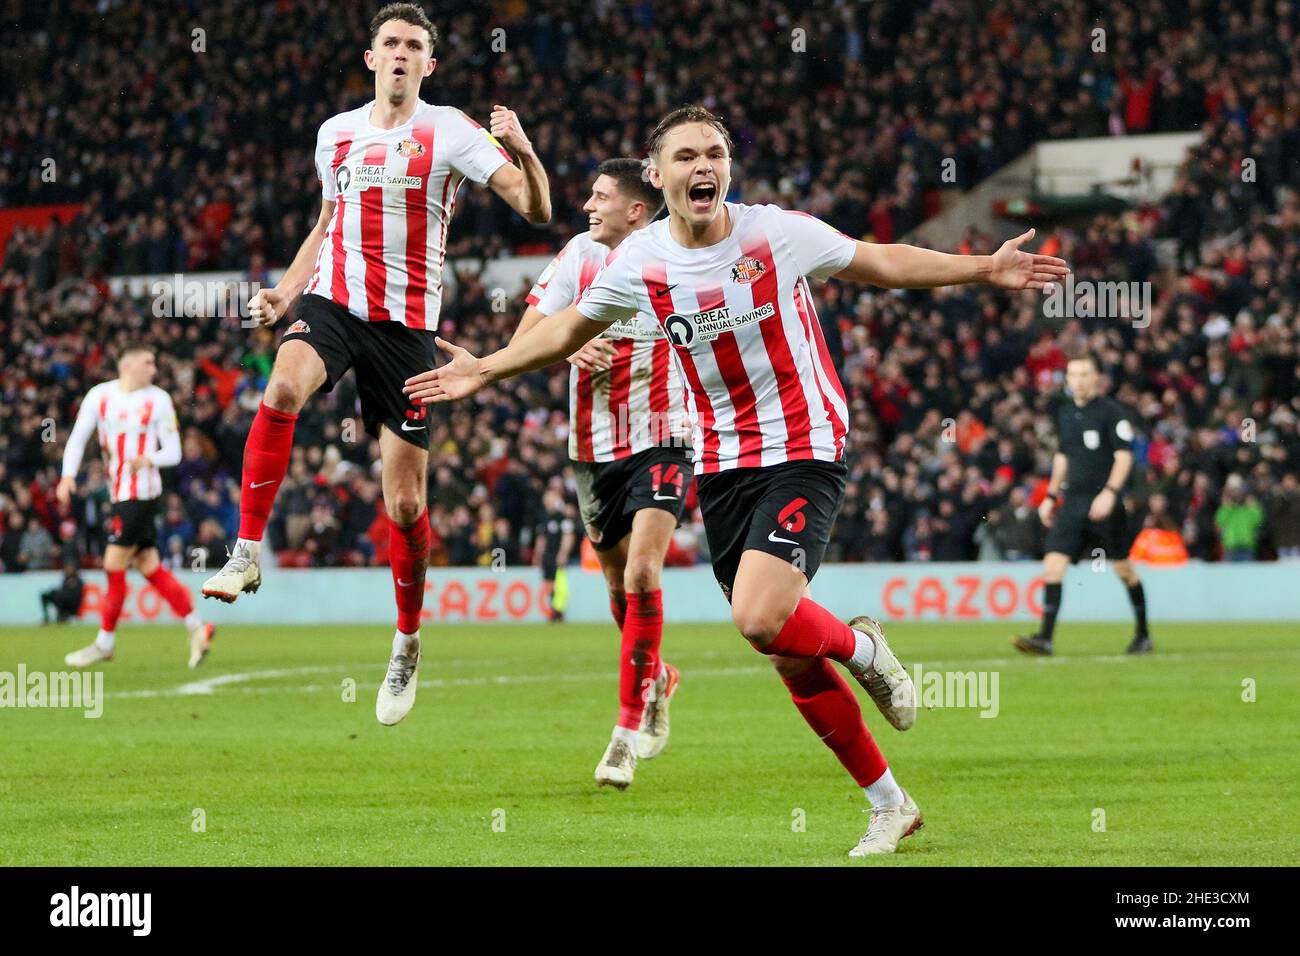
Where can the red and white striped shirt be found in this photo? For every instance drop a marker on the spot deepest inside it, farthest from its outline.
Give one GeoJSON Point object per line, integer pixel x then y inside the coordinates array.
{"type": "Point", "coordinates": [394, 192]}
{"type": "Point", "coordinates": [129, 425]}
{"type": "Point", "coordinates": [739, 315]}
{"type": "Point", "coordinates": [639, 402]}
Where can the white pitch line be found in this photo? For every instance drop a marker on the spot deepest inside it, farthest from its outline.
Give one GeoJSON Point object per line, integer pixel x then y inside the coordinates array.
{"type": "Point", "coordinates": [232, 682]}
{"type": "Point", "coordinates": [208, 685]}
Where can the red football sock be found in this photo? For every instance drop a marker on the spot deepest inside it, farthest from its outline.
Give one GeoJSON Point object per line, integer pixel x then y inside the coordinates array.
{"type": "Point", "coordinates": [408, 555]}
{"type": "Point", "coordinates": [266, 459]}
{"type": "Point", "coordinates": [813, 631]}
{"type": "Point", "coordinates": [832, 711]}
{"type": "Point", "coordinates": [174, 593]}
{"type": "Point", "coordinates": [618, 607]}
{"type": "Point", "coordinates": [111, 609]}
{"type": "Point", "coordinates": [643, 631]}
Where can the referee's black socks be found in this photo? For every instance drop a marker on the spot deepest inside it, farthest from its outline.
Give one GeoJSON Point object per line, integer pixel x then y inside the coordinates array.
{"type": "Point", "coordinates": [1138, 598]}
{"type": "Point", "coordinates": [1051, 607]}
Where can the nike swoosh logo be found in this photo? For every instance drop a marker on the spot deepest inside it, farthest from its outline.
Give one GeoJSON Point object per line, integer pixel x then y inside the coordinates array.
{"type": "Point", "coordinates": [666, 289]}
{"type": "Point", "coordinates": [659, 497]}
{"type": "Point", "coordinates": [772, 536]}
{"type": "Point", "coordinates": [404, 584]}
{"type": "Point", "coordinates": [259, 484]}
{"type": "Point", "coordinates": [406, 427]}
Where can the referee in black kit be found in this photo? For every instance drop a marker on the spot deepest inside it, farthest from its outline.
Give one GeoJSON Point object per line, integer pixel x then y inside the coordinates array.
{"type": "Point", "coordinates": [1093, 460]}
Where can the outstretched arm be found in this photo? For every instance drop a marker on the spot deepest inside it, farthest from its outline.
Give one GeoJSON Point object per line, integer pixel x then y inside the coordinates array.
{"type": "Point", "coordinates": [900, 266]}
{"type": "Point", "coordinates": [595, 356]}
{"type": "Point", "coordinates": [552, 339]}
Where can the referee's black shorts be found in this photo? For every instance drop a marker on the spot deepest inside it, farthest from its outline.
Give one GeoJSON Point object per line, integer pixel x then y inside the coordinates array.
{"type": "Point", "coordinates": [1075, 535]}
{"type": "Point", "coordinates": [384, 354]}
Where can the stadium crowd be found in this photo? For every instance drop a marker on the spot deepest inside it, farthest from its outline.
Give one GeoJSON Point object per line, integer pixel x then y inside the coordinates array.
{"type": "Point", "coordinates": [950, 392]}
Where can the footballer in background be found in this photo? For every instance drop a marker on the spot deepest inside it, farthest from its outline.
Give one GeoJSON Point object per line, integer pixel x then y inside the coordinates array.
{"type": "Point", "coordinates": [134, 423]}
{"type": "Point", "coordinates": [630, 450]}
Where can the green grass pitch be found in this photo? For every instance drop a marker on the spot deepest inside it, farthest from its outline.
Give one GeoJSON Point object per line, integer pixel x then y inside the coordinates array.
{"type": "Point", "coordinates": [494, 765]}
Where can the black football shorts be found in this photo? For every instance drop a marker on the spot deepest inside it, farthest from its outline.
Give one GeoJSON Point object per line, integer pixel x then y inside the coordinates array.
{"type": "Point", "coordinates": [610, 493]}
{"type": "Point", "coordinates": [786, 510]}
{"type": "Point", "coordinates": [384, 354]}
{"type": "Point", "coordinates": [1073, 534]}
{"type": "Point", "coordinates": [133, 523]}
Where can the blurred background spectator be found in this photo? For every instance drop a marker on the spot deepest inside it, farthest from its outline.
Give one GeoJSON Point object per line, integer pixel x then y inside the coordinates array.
{"type": "Point", "coordinates": [949, 392]}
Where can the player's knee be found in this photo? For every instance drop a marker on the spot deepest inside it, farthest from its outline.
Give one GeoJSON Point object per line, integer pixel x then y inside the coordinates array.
{"type": "Point", "coordinates": [641, 574]}
{"type": "Point", "coordinates": [757, 625]}
{"type": "Point", "coordinates": [284, 394]}
{"type": "Point", "coordinates": [613, 579]}
{"type": "Point", "coordinates": [403, 508]}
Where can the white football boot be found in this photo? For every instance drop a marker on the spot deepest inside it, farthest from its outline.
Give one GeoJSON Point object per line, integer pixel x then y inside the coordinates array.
{"type": "Point", "coordinates": [653, 737]}
{"type": "Point", "coordinates": [617, 766]}
{"type": "Point", "coordinates": [886, 680]}
{"type": "Point", "coordinates": [397, 692]}
{"type": "Point", "coordinates": [888, 826]}
{"type": "Point", "coordinates": [200, 643]}
{"type": "Point", "coordinates": [241, 573]}
{"type": "Point", "coordinates": [88, 656]}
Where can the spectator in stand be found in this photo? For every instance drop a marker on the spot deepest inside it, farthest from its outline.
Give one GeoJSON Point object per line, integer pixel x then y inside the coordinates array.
{"type": "Point", "coordinates": [1238, 519]}
{"type": "Point", "coordinates": [1284, 517]}
{"type": "Point", "coordinates": [1159, 541]}
{"type": "Point", "coordinates": [37, 546]}
{"type": "Point", "coordinates": [1016, 530]}
{"type": "Point", "coordinates": [13, 560]}
{"type": "Point", "coordinates": [1222, 345]}
{"type": "Point", "coordinates": [322, 535]}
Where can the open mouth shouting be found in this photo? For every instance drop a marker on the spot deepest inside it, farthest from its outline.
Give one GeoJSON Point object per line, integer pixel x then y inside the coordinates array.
{"type": "Point", "coordinates": [702, 195]}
